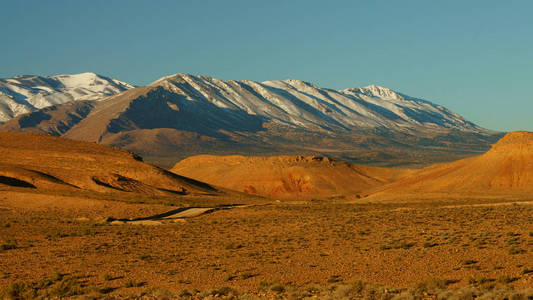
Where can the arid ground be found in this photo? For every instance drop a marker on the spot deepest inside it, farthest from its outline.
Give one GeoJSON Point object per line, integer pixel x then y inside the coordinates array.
{"type": "Point", "coordinates": [280, 245]}
{"type": "Point", "coordinates": [84, 220]}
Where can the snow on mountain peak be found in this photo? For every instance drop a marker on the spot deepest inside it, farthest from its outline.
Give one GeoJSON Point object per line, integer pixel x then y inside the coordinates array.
{"type": "Point", "coordinates": [298, 82]}
{"type": "Point", "coordinates": [291, 102]}
{"type": "Point", "coordinates": [27, 93]}
{"type": "Point", "coordinates": [302, 104]}
{"type": "Point", "coordinates": [375, 91]}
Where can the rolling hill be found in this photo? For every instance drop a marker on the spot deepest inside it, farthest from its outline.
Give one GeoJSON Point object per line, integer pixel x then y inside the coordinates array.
{"type": "Point", "coordinates": [507, 168]}
{"type": "Point", "coordinates": [287, 177]}
{"type": "Point", "coordinates": [51, 163]}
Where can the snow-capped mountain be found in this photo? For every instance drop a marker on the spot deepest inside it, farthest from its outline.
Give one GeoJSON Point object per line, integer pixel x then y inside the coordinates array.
{"type": "Point", "coordinates": [27, 93]}
{"type": "Point", "coordinates": [301, 104]}
{"type": "Point", "coordinates": [181, 115]}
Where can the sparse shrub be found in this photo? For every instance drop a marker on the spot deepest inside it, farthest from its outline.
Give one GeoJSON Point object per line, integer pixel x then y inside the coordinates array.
{"type": "Point", "coordinates": [55, 286]}
{"type": "Point", "coordinates": [7, 246]}
{"type": "Point", "coordinates": [277, 288]}
{"type": "Point", "coordinates": [223, 291]}
{"type": "Point", "coordinates": [263, 286]}
{"type": "Point", "coordinates": [132, 283]}
{"type": "Point", "coordinates": [468, 262]}
{"type": "Point", "coordinates": [230, 277]}
{"type": "Point", "coordinates": [397, 245]}
{"type": "Point", "coordinates": [233, 246]}
{"type": "Point", "coordinates": [504, 279]}
{"type": "Point", "coordinates": [514, 251]}
{"type": "Point", "coordinates": [477, 280]}
{"type": "Point", "coordinates": [85, 231]}
{"type": "Point", "coordinates": [67, 287]}
{"type": "Point", "coordinates": [185, 294]}
{"type": "Point", "coordinates": [158, 293]}
{"type": "Point", "coordinates": [56, 276]}
{"type": "Point", "coordinates": [435, 283]}
{"type": "Point", "coordinates": [55, 235]}
{"type": "Point", "coordinates": [19, 290]}
{"type": "Point", "coordinates": [246, 275]}
{"type": "Point", "coordinates": [334, 279]}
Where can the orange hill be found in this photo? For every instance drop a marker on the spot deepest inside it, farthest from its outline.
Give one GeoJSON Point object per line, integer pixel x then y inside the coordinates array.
{"type": "Point", "coordinates": [286, 177]}
{"type": "Point", "coordinates": [52, 163]}
{"type": "Point", "coordinates": [506, 168]}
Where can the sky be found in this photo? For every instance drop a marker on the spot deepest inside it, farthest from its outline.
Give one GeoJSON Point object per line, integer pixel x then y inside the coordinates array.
{"type": "Point", "coordinates": [473, 57]}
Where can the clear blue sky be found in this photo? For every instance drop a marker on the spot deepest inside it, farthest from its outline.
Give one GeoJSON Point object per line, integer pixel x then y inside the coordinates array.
{"type": "Point", "coordinates": [474, 57]}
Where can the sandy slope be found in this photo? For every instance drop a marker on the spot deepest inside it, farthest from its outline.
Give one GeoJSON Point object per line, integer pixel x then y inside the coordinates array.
{"type": "Point", "coordinates": [286, 177]}
{"type": "Point", "coordinates": [53, 163]}
{"type": "Point", "coordinates": [507, 169]}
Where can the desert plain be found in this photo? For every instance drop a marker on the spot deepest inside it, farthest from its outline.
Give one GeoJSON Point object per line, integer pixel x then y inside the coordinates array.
{"type": "Point", "coordinates": [82, 220]}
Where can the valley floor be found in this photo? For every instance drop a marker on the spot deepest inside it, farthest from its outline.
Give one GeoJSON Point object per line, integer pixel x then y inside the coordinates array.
{"type": "Point", "coordinates": [275, 246]}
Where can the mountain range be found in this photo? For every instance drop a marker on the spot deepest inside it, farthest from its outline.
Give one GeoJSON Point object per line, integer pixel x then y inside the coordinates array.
{"type": "Point", "coordinates": [182, 115]}
{"type": "Point", "coordinates": [27, 93]}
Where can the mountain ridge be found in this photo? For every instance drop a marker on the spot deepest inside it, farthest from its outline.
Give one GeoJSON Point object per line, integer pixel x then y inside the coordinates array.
{"type": "Point", "coordinates": [27, 93]}
{"type": "Point", "coordinates": [183, 115]}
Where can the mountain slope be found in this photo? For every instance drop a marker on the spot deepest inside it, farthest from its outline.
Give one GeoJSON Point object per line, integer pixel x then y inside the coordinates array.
{"type": "Point", "coordinates": [506, 168]}
{"type": "Point", "coordinates": [53, 163]}
{"type": "Point", "coordinates": [182, 115]}
{"type": "Point", "coordinates": [287, 177]}
{"type": "Point", "coordinates": [27, 93]}
{"type": "Point", "coordinates": [301, 104]}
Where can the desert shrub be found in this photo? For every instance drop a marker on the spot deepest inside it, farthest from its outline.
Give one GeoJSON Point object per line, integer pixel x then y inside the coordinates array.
{"type": "Point", "coordinates": [7, 245]}
{"type": "Point", "coordinates": [55, 286]}
{"type": "Point", "coordinates": [514, 251]}
{"type": "Point", "coordinates": [504, 279]}
{"type": "Point", "coordinates": [233, 246]}
{"type": "Point", "coordinates": [158, 293]}
{"type": "Point", "coordinates": [19, 290]}
{"type": "Point", "coordinates": [430, 245]}
{"type": "Point", "coordinates": [246, 275]}
{"type": "Point", "coordinates": [334, 278]}
{"type": "Point", "coordinates": [433, 284]}
{"type": "Point", "coordinates": [277, 287]}
{"type": "Point", "coordinates": [227, 292]}
{"type": "Point", "coordinates": [397, 245]}
{"type": "Point", "coordinates": [477, 280]}
{"type": "Point", "coordinates": [468, 262]}
{"type": "Point", "coordinates": [67, 287]}
{"type": "Point", "coordinates": [132, 283]}
{"type": "Point", "coordinates": [263, 286]}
